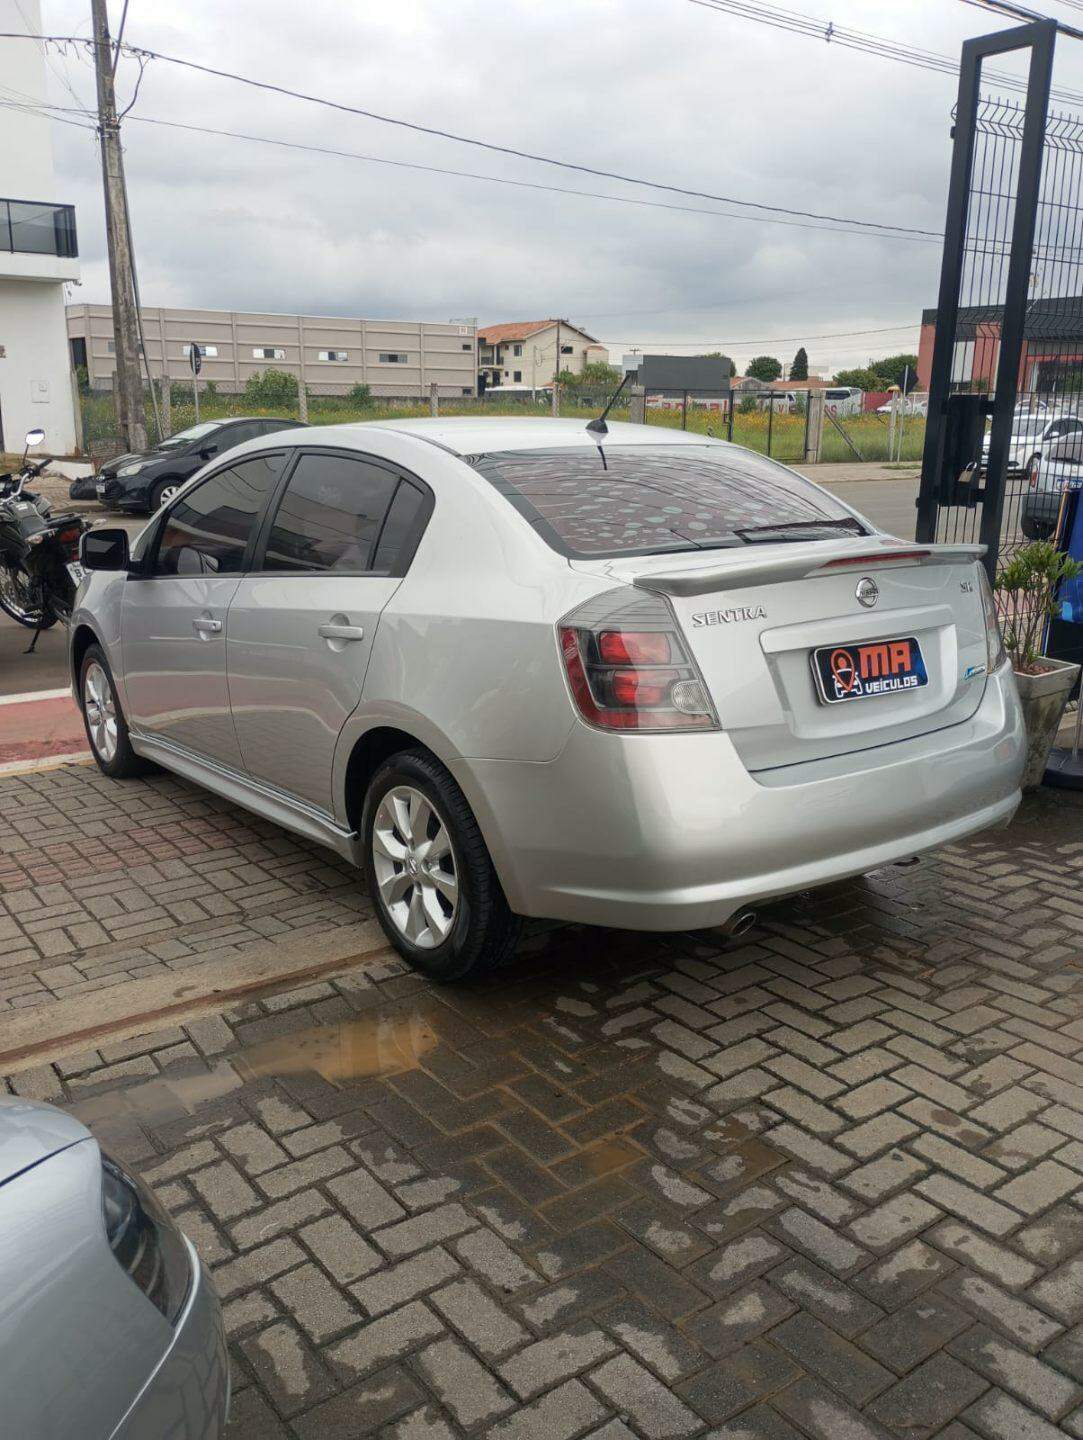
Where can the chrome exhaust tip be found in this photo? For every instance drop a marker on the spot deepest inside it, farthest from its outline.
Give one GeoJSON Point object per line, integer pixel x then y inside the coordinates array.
{"type": "Point", "coordinates": [738, 924]}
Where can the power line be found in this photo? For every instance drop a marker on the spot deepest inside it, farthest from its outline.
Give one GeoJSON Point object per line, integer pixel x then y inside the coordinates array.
{"type": "Point", "coordinates": [522, 184]}
{"type": "Point", "coordinates": [815, 28]}
{"type": "Point", "coordinates": [770, 339]}
{"type": "Point", "coordinates": [439, 133]}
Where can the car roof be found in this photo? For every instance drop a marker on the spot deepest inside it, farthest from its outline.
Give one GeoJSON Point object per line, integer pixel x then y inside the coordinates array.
{"type": "Point", "coordinates": [30, 1133]}
{"type": "Point", "coordinates": [482, 434]}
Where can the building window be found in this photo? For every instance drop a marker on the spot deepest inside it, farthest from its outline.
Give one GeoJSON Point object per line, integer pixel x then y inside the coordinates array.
{"type": "Point", "coordinates": [516, 350]}
{"type": "Point", "coordinates": [467, 390]}
{"type": "Point", "coordinates": [393, 357]}
{"type": "Point", "coordinates": [517, 376]}
{"type": "Point", "coordinates": [467, 345]}
{"type": "Point", "coordinates": [566, 350]}
{"type": "Point", "coordinates": [207, 351]}
{"type": "Point", "coordinates": [268, 352]}
{"type": "Point", "coordinates": [111, 346]}
{"type": "Point", "coordinates": [338, 355]}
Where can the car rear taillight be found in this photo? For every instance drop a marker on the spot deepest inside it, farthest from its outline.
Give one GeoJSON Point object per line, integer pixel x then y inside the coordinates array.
{"type": "Point", "coordinates": [1033, 475]}
{"type": "Point", "coordinates": [69, 535]}
{"type": "Point", "coordinates": [628, 667]}
{"type": "Point", "coordinates": [145, 1242]}
{"type": "Point", "coordinates": [995, 654]}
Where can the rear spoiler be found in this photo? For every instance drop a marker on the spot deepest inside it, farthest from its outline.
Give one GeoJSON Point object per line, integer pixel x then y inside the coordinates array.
{"type": "Point", "coordinates": [799, 562]}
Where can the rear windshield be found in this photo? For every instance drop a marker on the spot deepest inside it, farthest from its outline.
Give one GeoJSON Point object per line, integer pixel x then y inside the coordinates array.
{"type": "Point", "coordinates": [641, 500]}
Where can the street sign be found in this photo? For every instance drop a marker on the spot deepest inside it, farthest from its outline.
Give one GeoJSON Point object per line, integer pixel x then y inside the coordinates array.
{"type": "Point", "coordinates": [195, 358]}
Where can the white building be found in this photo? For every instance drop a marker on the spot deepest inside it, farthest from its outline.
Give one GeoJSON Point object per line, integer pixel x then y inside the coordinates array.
{"type": "Point", "coordinates": [524, 352]}
{"type": "Point", "coordinates": [38, 252]}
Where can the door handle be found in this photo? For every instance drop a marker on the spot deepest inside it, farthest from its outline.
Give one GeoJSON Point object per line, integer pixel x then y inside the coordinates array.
{"type": "Point", "coordinates": [207, 627]}
{"type": "Point", "coordinates": [331, 631]}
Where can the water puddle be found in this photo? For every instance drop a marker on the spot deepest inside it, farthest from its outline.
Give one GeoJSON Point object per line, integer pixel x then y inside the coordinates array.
{"type": "Point", "coordinates": [379, 1044]}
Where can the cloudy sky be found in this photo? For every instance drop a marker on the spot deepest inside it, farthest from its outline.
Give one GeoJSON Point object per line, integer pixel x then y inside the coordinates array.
{"type": "Point", "coordinates": [668, 90]}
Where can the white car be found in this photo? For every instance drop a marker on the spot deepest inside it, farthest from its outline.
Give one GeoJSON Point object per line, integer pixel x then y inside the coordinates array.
{"type": "Point", "coordinates": [1032, 431]}
{"type": "Point", "coordinates": [528, 667]}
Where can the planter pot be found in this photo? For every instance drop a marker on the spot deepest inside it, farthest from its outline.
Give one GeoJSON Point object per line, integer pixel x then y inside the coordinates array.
{"type": "Point", "coordinates": [1043, 698]}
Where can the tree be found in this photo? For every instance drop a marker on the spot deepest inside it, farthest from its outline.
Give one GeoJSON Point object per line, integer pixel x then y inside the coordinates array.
{"type": "Point", "coordinates": [717, 355]}
{"type": "Point", "coordinates": [596, 375]}
{"type": "Point", "coordinates": [764, 367]}
{"type": "Point", "coordinates": [799, 368]}
{"type": "Point", "coordinates": [863, 378]}
{"type": "Point", "coordinates": [895, 368]}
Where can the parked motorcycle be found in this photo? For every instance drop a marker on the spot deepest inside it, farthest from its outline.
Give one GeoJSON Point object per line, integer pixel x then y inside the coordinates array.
{"type": "Point", "coordinates": [39, 551]}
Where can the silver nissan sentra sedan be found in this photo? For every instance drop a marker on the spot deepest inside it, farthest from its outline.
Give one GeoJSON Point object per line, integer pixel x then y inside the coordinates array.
{"type": "Point", "coordinates": [524, 668]}
{"type": "Point", "coordinates": [109, 1328]}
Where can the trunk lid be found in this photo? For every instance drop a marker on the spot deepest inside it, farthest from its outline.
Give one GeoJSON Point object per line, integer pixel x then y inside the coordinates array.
{"type": "Point", "coordinates": [753, 616]}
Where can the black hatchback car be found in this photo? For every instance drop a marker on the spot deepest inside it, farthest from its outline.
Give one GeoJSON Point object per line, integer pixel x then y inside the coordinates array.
{"type": "Point", "coordinates": [144, 481]}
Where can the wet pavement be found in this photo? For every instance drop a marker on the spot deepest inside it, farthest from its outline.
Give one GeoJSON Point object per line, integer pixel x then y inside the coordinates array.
{"type": "Point", "coordinates": [826, 1182]}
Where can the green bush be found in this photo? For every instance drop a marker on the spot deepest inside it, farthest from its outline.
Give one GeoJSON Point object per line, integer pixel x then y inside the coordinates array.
{"type": "Point", "coordinates": [1027, 590]}
{"type": "Point", "coordinates": [271, 387]}
{"type": "Point", "coordinates": [360, 395]}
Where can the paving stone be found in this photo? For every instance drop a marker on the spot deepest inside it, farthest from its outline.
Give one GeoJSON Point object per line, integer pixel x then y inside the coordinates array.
{"type": "Point", "coordinates": [820, 1349]}
{"type": "Point", "coordinates": [364, 1200]}
{"type": "Point", "coordinates": [901, 1276]}
{"type": "Point", "coordinates": [970, 1205]}
{"type": "Point", "coordinates": [253, 1149]}
{"type": "Point", "coordinates": [880, 1178]}
{"type": "Point", "coordinates": [257, 1267]}
{"type": "Point", "coordinates": [364, 1409]}
{"type": "Point", "coordinates": [819, 1241]}
{"type": "Point", "coordinates": [824, 1415]}
{"type": "Point", "coordinates": [749, 1374]}
{"type": "Point", "coordinates": [738, 1262]}
{"type": "Point", "coordinates": [1038, 1385]}
{"type": "Point", "coordinates": [494, 1259]}
{"type": "Point", "coordinates": [462, 1384]}
{"type": "Point", "coordinates": [654, 1409]}
{"type": "Point", "coordinates": [1036, 1189]}
{"type": "Point", "coordinates": [915, 1332]}
{"type": "Point", "coordinates": [893, 1222]}
{"type": "Point", "coordinates": [546, 1362]}
{"type": "Point", "coordinates": [340, 1249]}
{"type": "Point", "coordinates": [1054, 1237]}
{"type": "Point", "coordinates": [224, 1191]}
{"type": "Point", "coordinates": [880, 1133]}
{"type": "Point", "coordinates": [485, 1325]}
{"type": "Point", "coordinates": [1000, 1417]}
{"type": "Point", "coordinates": [739, 1318]}
{"type": "Point", "coordinates": [319, 1307]}
{"type": "Point", "coordinates": [1061, 1291]}
{"type": "Point", "coordinates": [560, 1415]}
{"type": "Point", "coordinates": [832, 1301]}
{"type": "Point", "coordinates": [996, 1261]}
{"type": "Point", "coordinates": [1006, 1313]}
{"type": "Point", "coordinates": [387, 1289]}
{"type": "Point", "coordinates": [758, 1423]}
{"type": "Point", "coordinates": [928, 1397]}
{"type": "Point", "coordinates": [389, 1338]}
{"type": "Point", "coordinates": [275, 1219]}
{"type": "Point", "coordinates": [287, 1368]}
{"type": "Point", "coordinates": [426, 1424]}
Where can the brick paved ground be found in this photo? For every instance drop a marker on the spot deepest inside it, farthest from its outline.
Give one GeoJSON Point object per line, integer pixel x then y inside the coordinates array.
{"type": "Point", "coordinates": [102, 881]}
{"type": "Point", "coordinates": [828, 1184]}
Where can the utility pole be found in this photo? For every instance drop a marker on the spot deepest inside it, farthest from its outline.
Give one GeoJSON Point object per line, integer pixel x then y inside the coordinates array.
{"type": "Point", "coordinates": [556, 375]}
{"type": "Point", "coordinates": [129, 384]}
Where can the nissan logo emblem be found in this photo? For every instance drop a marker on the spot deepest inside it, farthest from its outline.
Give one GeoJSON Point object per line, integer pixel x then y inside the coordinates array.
{"type": "Point", "coordinates": [867, 592]}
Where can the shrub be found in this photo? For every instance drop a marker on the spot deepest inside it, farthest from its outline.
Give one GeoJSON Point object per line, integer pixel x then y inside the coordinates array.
{"type": "Point", "coordinates": [270, 388]}
{"type": "Point", "coordinates": [1027, 588]}
{"type": "Point", "coordinates": [360, 395]}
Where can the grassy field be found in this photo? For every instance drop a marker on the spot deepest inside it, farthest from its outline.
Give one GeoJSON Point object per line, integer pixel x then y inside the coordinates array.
{"type": "Point", "coordinates": [868, 433]}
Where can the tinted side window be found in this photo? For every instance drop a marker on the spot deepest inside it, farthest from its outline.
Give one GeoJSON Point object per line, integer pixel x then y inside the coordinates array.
{"type": "Point", "coordinates": [400, 528]}
{"type": "Point", "coordinates": [330, 515]}
{"type": "Point", "coordinates": [207, 532]}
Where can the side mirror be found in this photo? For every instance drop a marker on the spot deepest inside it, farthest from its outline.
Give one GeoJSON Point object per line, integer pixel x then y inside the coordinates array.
{"type": "Point", "coordinates": [34, 437]}
{"type": "Point", "coordinates": [208, 452]}
{"type": "Point", "coordinates": [104, 549]}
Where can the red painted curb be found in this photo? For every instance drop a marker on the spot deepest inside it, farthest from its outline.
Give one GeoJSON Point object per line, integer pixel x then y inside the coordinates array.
{"type": "Point", "coordinates": [36, 729]}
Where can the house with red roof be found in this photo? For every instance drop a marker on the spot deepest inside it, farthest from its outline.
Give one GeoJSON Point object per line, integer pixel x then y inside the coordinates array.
{"type": "Point", "coordinates": [530, 352]}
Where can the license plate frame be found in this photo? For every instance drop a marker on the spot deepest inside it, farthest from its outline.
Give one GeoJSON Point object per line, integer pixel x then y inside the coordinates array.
{"type": "Point", "coordinates": [76, 571]}
{"type": "Point", "coordinates": [869, 669]}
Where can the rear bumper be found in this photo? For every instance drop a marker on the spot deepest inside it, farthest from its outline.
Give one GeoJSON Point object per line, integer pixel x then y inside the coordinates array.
{"type": "Point", "coordinates": [187, 1398]}
{"type": "Point", "coordinates": [672, 832]}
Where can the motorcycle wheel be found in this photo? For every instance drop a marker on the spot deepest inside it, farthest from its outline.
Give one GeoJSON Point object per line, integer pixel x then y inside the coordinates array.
{"type": "Point", "coordinates": [16, 600]}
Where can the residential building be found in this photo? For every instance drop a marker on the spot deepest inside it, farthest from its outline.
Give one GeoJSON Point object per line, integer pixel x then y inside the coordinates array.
{"type": "Point", "coordinates": [330, 355]}
{"type": "Point", "coordinates": [38, 253]}
{"type": "Point", "coordinates": [1052, 352]}
{"type": "Point", "coordinates": [524, 352]}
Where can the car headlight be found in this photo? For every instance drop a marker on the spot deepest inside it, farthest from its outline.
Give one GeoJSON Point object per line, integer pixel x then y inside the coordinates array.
{"type": "Point", "coordinates": [144, 1240]}
{"type": "Point", "coordinates": [995, 654]}
{"type": "Point", "coordinates": [129, 469]}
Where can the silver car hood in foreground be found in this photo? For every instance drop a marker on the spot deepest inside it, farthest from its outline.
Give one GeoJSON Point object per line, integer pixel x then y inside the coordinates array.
{"type": "Point", "coordinates": [30, 1133]}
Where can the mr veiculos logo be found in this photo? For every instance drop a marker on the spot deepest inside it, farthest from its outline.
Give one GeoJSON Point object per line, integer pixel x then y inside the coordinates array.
{"type": "Point", "coordinates": [729, 617]}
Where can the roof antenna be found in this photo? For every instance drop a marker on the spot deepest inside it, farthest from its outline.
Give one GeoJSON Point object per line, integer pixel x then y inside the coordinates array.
{"type": "Point", "coordinates": [599, 427]}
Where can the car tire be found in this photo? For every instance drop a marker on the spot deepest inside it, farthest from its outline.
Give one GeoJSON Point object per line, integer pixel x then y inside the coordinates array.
{"type": "Point", "coordinates": [106, 727]}
{"type": "Point", "coordinates": [444, 912]}
{"type": "Point", "coordinates": [161, 492]}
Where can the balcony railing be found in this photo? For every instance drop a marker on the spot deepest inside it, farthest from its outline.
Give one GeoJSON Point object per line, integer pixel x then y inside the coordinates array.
{"type": "Point", "coordinates": [33, 227]}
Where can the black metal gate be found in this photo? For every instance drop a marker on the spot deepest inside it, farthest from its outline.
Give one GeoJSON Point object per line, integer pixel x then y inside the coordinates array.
{"type": "Point", "coordinates": [1007, 367]}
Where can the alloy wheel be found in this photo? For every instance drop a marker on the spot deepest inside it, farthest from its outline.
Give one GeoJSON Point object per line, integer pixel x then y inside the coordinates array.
{"type": "Point", "coordinates": [167, 494]}
{"type": "Point", "coordinates": [415, 867]}
{"type": "Point", "coordinates": [101, 711]}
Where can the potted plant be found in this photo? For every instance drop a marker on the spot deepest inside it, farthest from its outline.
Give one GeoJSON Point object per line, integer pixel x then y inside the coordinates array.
{"type": "Point", "coordinates": [1027, 598]}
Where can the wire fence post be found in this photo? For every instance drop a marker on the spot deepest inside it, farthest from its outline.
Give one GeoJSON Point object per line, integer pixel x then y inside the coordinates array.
{"type": "Point", "coordinates": [770, 420]}
{"type": "Point", "coordinates": [637, 405]}
{"type": "Point", "coordinates": [434, 398]}
{"type": "Point", "coordinates": [814, 428]}
{"type": "Point", "coordinates": [302, 402]}
{"type": "Point", "coordinates": [729, 419]}
{"type": "Point", "coordinates": [165, 392]}
{"type": "Point", "coordinates": [684, 411]}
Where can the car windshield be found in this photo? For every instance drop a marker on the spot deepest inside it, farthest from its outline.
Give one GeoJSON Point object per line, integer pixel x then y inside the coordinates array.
{"type": "Point", "coordinates": [1029, 425]}
{"type": "Point", "coordinates": [600, 501]}
{"type": "Point", "coordinates": [185, 437]}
